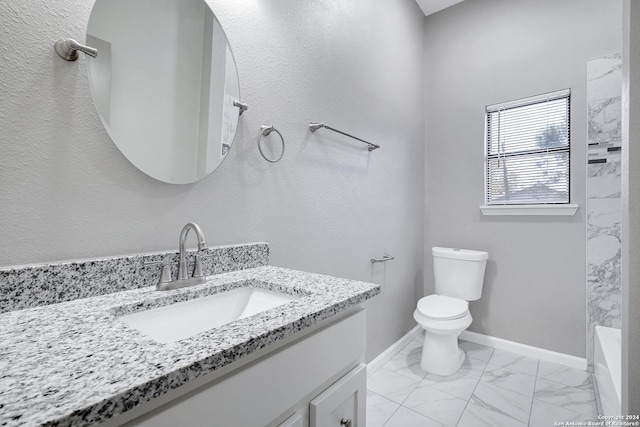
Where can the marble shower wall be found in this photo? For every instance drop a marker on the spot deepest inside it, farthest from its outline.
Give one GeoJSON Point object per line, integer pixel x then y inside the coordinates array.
{"type": "Point", "coordinates": [604, 216]}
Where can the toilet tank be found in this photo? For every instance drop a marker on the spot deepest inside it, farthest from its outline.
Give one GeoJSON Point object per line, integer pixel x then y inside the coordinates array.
{"type": "Point", "coordinates": [459, 273]}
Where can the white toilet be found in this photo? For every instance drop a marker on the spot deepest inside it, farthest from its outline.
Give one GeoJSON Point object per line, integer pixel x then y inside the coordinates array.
{"type": "Point", "coordinates": [459, 275]}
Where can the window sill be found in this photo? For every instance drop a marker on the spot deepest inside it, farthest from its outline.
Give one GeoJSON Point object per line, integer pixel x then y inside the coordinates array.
{"type": "Point", "coordinates": [557, 210]}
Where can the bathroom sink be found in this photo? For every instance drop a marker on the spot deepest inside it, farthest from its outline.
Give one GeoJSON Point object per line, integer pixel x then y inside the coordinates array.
{"type": "Point", "coordinates": [184, 319]}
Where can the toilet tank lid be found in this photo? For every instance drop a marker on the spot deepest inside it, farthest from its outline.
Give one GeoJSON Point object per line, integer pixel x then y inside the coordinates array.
{"type": "Point", "coordinates": [462, 254]}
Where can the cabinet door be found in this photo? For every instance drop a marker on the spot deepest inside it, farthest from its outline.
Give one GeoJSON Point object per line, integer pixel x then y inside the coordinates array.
{"type": "Point", "coordinates": [344, 403]}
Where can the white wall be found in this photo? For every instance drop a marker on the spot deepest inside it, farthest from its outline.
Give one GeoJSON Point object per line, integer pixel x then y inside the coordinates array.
{"type": "Point", "coordinates": [327, 207]}
{"type": "Point", "coordinates": [484, 52]}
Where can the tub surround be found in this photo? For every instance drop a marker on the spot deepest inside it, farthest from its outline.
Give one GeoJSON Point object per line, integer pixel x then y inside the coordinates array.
{"type": "Point", "coordinates": [74, 363]}
{"type": "Point", "coordinates": [36, 285]}
{"type": "Point", "coordinates": [604, 209]}
{"type": "Point", "coordinates": [607, 368]}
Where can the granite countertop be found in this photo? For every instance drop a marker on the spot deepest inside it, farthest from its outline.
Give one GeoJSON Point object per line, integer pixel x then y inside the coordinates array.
{"type": "Point", "coordinates": [75, 363]}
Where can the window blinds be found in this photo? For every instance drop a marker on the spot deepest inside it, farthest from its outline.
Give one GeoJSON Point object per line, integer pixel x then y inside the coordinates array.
{"type": "Point", "coordinates": [528, 148]}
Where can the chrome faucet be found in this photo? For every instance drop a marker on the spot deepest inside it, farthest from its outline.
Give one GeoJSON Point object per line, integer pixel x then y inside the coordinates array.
{"type": "Point", "coordinates": [182, 262]}
{"type": "Point", "coordinates": [183, 278]}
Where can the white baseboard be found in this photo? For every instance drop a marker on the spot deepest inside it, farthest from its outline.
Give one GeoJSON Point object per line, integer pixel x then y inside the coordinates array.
{"type": "Point", "coordinates": [526, 350]}
{"type": "Point", "coordinates": [386, 355]}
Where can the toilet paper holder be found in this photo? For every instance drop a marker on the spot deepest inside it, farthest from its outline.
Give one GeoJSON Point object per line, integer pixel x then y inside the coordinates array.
{"type": "Point", "coordinates": [386, 257]}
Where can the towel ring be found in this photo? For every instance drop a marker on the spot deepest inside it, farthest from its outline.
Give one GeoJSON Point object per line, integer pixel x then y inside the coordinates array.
{"type": "Point", "coordinates": [265, 131]}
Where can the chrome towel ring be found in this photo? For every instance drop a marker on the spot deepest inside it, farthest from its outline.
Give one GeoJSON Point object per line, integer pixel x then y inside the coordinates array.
{"type": "Point", "coordinates": [265, 130]}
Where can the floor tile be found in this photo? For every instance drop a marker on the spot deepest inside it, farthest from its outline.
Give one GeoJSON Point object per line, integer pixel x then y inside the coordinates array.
{"type": "Point", "coordinates": [460, 384]}
{"type": "Point", "coordinates": [566, 397]}
{"type": "Point", "coordinates": [515, 362]}
{"type": "Point", "coordinates": [403, 364]}
{"type": "Point", "coordinates": [476, 351]}
{"type": "Point", "coordinates": [565, 375]}
{"type": "Point", "coordinates": [493, 388]}
{"type": "Point", "coordinates": [509, 380]}
{"type": "Point", "coordinates": [414, 348]}
{"type": "Point", "coordinates": [545, 415]}
{"type": "Point", "coordinates": [405, 417]}
{"type": "Point", "coordinates": [461, 387]}
{"type": "Point", "coordinates": [379, 409]}
{"type": "Point", "coordinates": [435, 404]}
{"type": "Point", "coordinates": [391, 385]}
{"type": "Point", "coordinates": [471, 364]}
{"type": "Point", "coordinates": [478, 416]}
{"type": "Point", "coordinates": [509, 404]}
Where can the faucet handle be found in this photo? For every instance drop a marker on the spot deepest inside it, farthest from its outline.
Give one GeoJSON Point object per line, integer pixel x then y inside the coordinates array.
{"type": "Point", "coordinates": [165, 276]}
{"type": "Point", "coordinates": [197, 268]}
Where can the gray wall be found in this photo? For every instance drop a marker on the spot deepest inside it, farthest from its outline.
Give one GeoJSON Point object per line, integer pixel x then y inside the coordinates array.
{"type": "Point", "coordinates": [327, 207]}
{"type": "Point", "coordinates": [484, 52]}
{"type": "Point", "coordinates": [631, 210]}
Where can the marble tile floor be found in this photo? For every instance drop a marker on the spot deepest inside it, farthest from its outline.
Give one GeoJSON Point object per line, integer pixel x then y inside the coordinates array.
{"type": "Point", "coordinates": [493, 388]}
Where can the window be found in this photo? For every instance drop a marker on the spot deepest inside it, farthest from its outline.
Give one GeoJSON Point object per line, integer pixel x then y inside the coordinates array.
{"type": "Point", "coordinates": [528, 151]}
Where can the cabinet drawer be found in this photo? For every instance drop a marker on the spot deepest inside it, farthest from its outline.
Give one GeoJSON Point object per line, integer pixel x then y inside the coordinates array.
{"type": "Point", "coordinates": [344, 403]}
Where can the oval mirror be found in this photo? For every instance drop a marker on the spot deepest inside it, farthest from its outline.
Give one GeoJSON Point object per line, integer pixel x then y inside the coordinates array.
{"type": "Point", "coordinates": [164, 84]}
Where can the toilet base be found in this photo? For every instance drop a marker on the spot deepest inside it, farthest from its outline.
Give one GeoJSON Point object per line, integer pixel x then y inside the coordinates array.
{"type": "Point", "coordinates": [441, 366]}
{"type": "Point", "coordinates": [441, 354]}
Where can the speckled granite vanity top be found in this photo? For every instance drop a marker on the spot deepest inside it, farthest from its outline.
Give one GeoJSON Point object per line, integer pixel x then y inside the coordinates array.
{"type": "Point", "coordinates": [75, 363]}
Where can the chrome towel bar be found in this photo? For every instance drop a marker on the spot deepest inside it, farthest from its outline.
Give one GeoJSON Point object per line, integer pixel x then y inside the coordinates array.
{"type": "Point", "coordinates": [315, 126]}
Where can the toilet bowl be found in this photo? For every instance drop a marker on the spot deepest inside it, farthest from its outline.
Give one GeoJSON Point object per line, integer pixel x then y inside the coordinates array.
{"type": "Point", "coordinates": [459, 275]}
{"type": "Point", "coordinates": [442, 323]}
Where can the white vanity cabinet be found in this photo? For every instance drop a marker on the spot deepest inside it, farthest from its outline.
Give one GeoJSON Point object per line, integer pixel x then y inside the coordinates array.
{"type": "Point", "coordinates": [312, 378]}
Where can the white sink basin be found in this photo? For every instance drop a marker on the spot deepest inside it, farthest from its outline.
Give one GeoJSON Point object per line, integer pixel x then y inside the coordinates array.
{"type": "Point", "coordinates": [182, 320]}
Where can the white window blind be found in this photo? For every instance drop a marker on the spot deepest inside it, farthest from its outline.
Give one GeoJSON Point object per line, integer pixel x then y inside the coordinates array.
{"type": "Point", "coordinates": [528, 148]}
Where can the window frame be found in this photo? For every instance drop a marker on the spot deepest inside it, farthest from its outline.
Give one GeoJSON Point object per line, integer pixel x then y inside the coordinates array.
{"type": "Point", "coordinates": [542, 208]}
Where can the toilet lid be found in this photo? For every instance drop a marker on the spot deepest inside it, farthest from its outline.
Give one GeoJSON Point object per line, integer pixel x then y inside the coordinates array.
{"type": "Point", "coordinates": [440, 307]}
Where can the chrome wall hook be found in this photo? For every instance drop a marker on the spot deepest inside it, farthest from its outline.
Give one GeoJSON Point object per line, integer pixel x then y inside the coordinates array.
{"type": "Point", "coordinates": [68, 49]}
{"type": "Point", "coordinates": [242, 106]}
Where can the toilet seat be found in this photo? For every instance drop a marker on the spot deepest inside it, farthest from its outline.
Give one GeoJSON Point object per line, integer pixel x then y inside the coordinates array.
{"type": "Point", "coordinates": [440, 307]}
